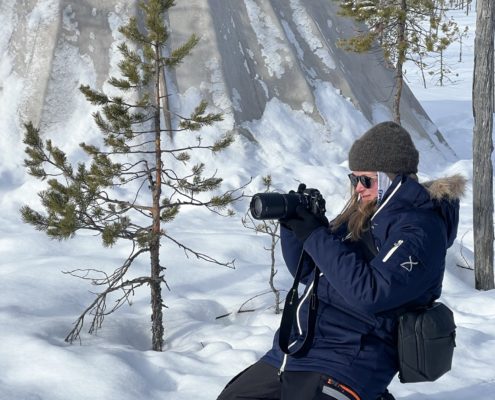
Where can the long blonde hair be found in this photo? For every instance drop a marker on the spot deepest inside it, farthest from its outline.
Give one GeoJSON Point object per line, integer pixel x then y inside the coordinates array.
{"type": "Point", "coordinates": [355, 215]}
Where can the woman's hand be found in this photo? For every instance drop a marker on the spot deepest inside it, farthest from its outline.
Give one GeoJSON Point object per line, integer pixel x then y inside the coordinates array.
{"type": "Point", "coordinates": [305, 223]}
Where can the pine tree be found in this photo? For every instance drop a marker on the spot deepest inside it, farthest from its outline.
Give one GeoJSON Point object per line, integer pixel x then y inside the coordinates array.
{"type": "Point", "coordinates": [406, 30]}
{"type": "Point", "coordinates": [445, 36]}
{"type": "Point", "coordinates": [271, 228]}
{"type": "Point", "coordinates": [136, 180]}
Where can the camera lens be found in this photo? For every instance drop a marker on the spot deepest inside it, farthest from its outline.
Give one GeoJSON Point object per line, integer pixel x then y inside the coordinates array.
{"type": "Point", "coordinates": [268, 206]}
{"type": "Point", "coordinates": [258, 207]}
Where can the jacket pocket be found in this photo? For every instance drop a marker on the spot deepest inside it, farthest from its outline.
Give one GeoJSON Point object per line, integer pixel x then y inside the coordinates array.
{"type": "Point", "coordinates": [334, 352]}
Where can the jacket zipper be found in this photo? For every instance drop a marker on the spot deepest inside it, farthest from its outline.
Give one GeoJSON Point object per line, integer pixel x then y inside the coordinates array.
{"type": "Point", "coordinates": [284, 361]}
{"type": "Point", "coordinates": [282, 367]}
{"type": "Point", "coordinates": [387, 200]}
{"type": "Point", "coordinates": [299, 329]}
{"type": "Point", "coordinates": [392, 250]}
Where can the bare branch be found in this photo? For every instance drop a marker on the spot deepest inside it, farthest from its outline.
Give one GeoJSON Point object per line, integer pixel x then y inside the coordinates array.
{"type": "Point", "coordinates": [114, 282]}
{"type": "Point", "coordinates": [199, 255]}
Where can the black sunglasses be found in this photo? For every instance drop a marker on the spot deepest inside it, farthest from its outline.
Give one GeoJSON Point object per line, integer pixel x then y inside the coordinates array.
{"type": "Point", "coordinates": [366, 181]}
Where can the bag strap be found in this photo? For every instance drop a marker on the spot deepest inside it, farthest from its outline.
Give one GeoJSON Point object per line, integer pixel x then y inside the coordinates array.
{"type": "Point", "coordinates": [289, 315]}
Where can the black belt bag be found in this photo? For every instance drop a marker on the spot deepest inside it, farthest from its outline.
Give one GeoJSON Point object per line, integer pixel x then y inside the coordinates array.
{"type": "Point", "coordinates": [426, 341]}
{"type": "Point", "coordinates": [426, 335]}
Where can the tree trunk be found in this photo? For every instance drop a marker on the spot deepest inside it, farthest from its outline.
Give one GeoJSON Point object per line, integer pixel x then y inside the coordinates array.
{"type": "Point", "coordinates": [156, 278]}
{"type": "Point", "coordinates": [401, 55]}
{"type": "Point", "coordinates": [483, 146]}
{"type": "Point", "coordinates": [157, 329]}
{"type": "Point", "coordinates": [165, 103]}
{"type": "Point", "coordinates": [441, 68]}
{"type": "Point", "coordinates": [273, 272]}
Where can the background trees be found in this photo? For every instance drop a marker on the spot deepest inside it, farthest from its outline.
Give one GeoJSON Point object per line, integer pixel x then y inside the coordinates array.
{"type": "Point", "coordinates": [406, 30]}
{"type": "Point", "coordinates": [483, 108]}
{"type": "Point", "coordinates": [136, 179]}
{"type": "Point", "coordinates": [410, 30]}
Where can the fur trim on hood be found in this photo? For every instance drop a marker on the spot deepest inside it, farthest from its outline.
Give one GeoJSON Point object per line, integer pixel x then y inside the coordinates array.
{"type": "Point", "coordinates": [449, 188]}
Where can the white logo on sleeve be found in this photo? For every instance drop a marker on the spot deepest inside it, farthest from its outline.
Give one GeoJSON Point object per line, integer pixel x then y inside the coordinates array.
{"type": "Point", "coordinates": [408, 265]}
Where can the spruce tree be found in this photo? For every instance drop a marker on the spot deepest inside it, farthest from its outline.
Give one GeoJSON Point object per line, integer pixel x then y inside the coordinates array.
{"type": "Point", "coordinates": [136, 180]}
{"type": "Point", "coordinates": [406, 30]}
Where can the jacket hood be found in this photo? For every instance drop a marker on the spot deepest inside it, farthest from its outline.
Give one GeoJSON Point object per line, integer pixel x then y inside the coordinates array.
{"type": "Point", "coordinates": [445, 193]}
{"type": "Point", "coordinates": [450, 188]}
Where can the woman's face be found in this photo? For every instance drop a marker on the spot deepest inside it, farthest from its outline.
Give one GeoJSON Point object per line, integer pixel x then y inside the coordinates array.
{"type": "Point", "coordinates": [365, 184]}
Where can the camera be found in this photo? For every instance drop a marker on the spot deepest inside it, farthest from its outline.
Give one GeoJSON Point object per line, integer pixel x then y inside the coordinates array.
{"type": "Point", "coordinates": [276, 205]}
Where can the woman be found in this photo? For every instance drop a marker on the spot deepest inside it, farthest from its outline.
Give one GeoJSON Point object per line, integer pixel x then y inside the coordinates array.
{"type": "Point", "coordinates": [384, 252]}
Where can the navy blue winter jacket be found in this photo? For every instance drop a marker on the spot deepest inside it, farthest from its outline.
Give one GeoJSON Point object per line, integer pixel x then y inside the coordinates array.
{"type": "Point", "coordinates": [355, 333]}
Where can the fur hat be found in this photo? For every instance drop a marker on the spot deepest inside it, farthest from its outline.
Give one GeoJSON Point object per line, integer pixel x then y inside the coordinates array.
{"type": "Point", "coordinates": [386, 147]}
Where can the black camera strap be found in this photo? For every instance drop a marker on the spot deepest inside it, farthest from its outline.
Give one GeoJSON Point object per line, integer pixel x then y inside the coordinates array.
{"type": "Point", "coordinates": [289, 315]}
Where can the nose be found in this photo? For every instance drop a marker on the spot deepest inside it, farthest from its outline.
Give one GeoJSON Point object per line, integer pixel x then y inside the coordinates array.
{"type": "Point", "coordinates": [360, 188]}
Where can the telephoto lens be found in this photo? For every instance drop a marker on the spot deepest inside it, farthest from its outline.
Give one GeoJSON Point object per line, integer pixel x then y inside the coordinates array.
{"type": "Point", "coordinates": [277, 206]}
{"type": "Point", "coordinates": [274, 205]}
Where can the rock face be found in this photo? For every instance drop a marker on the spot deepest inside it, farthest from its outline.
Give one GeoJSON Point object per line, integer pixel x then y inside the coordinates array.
{"type": "Point", "coordinates": [52, 42]}
{"type": "Point", "coordinates": [250, 52]}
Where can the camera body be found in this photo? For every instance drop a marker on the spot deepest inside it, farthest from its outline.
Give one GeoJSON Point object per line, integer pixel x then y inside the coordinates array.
{"type": "Point", "coordinates": [277, 205]}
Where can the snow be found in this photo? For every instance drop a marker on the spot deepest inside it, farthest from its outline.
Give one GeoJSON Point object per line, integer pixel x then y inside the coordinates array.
{"type": "Point", "coordinates": [39, 303]}
{"type": "Point", "coordinates": [274, 53]}
{"type": "Point", "coordinates": [306, 27]}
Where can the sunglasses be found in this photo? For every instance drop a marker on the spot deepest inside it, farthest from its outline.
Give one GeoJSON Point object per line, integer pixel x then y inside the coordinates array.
{"type": "Point", "coordinates": [366, 181]}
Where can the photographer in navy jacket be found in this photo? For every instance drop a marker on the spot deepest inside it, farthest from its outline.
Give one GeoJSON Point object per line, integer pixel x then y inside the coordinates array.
{"type": "Point", "coordinates": [353, 349]}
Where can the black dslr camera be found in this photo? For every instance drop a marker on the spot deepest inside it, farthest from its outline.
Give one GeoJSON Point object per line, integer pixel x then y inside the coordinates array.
{"type": "Point", "coordinates": [276, 205]}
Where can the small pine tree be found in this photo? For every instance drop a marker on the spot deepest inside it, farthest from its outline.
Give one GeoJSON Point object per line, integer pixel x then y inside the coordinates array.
{"type": "Point", "coordinates": [448, 33]}
{"type": "Point", "coordinates": [272, 229]}
{"type": "Point", "coordinates": [461, 34]}
{"type": "Point", "coordinates": [404, 29]}
{"type": "Point", "coordinates": [128, 189]}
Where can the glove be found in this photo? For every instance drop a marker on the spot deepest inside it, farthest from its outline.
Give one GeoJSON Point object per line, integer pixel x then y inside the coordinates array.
{"type": "Point", "coordinates": [305, 223]}
{"type": "Point", "coordinates": [300, 190]}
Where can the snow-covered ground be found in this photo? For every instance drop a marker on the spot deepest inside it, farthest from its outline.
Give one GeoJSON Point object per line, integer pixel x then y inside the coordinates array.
{"type": "Point", "coordinates": [38, 304]}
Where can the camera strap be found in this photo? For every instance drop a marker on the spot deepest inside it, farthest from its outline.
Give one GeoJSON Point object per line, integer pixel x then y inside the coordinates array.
{"type": "Point", "coordinates": [289, 315]}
